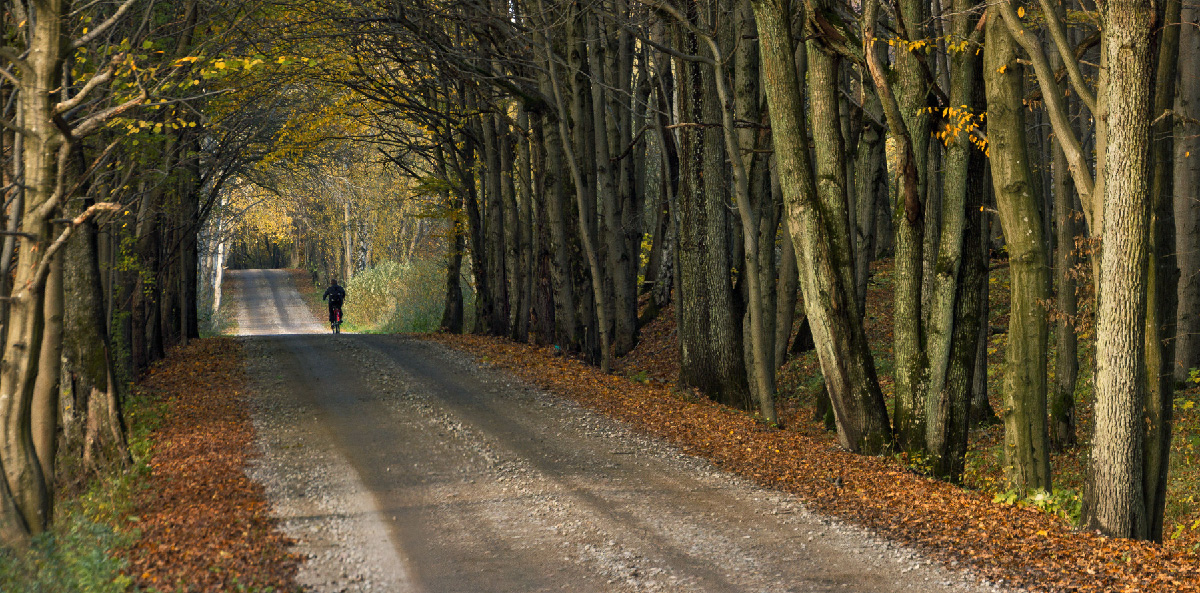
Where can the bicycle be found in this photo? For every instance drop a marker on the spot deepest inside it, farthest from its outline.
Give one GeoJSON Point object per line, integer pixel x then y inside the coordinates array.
{"type": "Point", "coordinates": [336, 324]}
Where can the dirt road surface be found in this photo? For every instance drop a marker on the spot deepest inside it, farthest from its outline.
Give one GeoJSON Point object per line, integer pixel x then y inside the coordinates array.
{"type": "Point", "coordinates": [402, 466]}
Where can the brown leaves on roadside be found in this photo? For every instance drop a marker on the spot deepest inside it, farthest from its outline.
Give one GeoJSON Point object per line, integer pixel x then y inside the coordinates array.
{"type": "Point", "coordinates": [205, 526]}
{"type": "Point", "coordinates": [1018, 545]}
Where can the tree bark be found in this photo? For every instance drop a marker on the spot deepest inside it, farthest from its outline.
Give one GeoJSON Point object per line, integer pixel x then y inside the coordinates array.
{"type": "Point", "coordinates": [452, 309]}
{"type": "Point", "coordinates": [846, 362]}
{"type": "Point", "coordinates": [1187, 198]}
{"type": "Point", "coordinates": [1161, 282]}
{"type": "Point", "coordinates": [909, 215]}
{"type": "Point", "coordinates": [952, 303]}
{"type": "Point", "coordinates": [710, 335]}
{"type": "Point", "coordinates": [24, 500]}
{"type": "Point", "coordinates": [1114, 501]}
{"type": "Point", "coordinates": [1026, 440]}
{"type": "Point", "coordinates": [789, 286]}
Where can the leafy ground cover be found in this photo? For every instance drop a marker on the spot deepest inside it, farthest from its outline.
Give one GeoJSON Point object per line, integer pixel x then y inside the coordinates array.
{"type": "Point", "coordinates": [201, 523]}
{"type": "Point", "coordinates": [1029, 543]}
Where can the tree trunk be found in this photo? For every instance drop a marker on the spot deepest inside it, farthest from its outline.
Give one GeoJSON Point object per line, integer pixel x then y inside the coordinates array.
{"type": "Point", "coordinates": [953, 319]}
{"type": "Point", "coordinates": [1161, 283]}
{"type": "Point", "coordinates": [846, 361]}
{"type": "Point", "coordinates": [562, 273]}
{"type": "Point", "coordinates": [1114, 501]}
{"type": "Point", "coordinates": [1066, 367]}
{"type": "Point", "coordinates": [44, 419]}
{"type": "Point", "coordinates": [789, 285]}
{"type": "Point", "coordinates": [86, 348]}
{"type": "Point", "coordinates": [1187, 198]}
{"type": "Point", "coordinates": [869, 177]}
{"type": "Point", "coordinates": [909, 215]}
{"type": "Point", "coordinates": [522, 257]}
{"type": "Point", "coordinates": [452, 310]}
{"type": "Point", "coordinates": [1026, 440]}
{"type": "Point", "coordinates": [710, 333]}
{"type": "Point", "coordinates": [24, 500]}
{"type": "Point", "coordinates": [587, 235]}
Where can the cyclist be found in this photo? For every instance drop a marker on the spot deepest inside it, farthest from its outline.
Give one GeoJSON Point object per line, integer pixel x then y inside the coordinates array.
{"type": "Point", "coordinates": [335, 294]}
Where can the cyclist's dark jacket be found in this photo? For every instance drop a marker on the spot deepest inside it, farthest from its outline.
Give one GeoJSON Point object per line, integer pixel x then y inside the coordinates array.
{"type": "Point", "coordinates": [336, 294]}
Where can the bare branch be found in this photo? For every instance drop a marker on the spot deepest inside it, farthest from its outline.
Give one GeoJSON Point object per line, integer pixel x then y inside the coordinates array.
{"type": "Point", "coordinates": [1068, 57]}
{"type": "Point", "coordinates": [4, 123]}
{"type": "Point", "coordinates": [102, 27]}
{"type": "Point", "coordinates": [91, 85]}
{"type": "Point", "coordinates": [94, 122]}
{"type": "Point", "coordinates": [43, 270]}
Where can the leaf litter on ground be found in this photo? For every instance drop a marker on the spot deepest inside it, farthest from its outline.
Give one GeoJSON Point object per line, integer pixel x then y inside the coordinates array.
{"type": "Point", "coordinates": [205, 525]}
{"type": "Point", "coordinates": [1013, 544]}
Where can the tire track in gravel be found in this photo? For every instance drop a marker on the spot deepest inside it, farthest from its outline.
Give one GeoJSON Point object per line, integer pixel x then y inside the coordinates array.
{"type": "Point", "coordinates": [402, 465]}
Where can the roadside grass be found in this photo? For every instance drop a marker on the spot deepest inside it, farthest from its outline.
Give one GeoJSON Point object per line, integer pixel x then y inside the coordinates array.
{"type": "Point", "coordinates": [222, 323]}
{"type": "Point", "coordinates": [86, 547]}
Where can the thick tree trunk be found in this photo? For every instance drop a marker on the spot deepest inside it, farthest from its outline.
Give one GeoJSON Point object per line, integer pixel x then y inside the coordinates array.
{"type": "Point", "coordinates": [24, 500]}
{"type": "Point", "coordinates": [909, 215]}
{"type": "Point", "coordinates": [562, 273]}
{"type": "Point", "coordinates": [86, 348]}
{"type": "Point", "coordinates": [1026, 438]}
{"type": "Point", "coordinates": [846, 362]}
{"type": "Point", "coordinates": [953, 320]}
{"type": "Point", "coordinates": [44, 420]}
{"type": "Point", "coordinates": [710, 333]}
{"type": "Point", "coordinates": [1114, 501]}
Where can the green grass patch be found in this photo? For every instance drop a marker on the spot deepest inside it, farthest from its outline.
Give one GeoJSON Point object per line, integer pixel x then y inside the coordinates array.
{"type": "Point", "coordinates": [400, 297]}
{"type": "Point", "coordinates": [84, 549]}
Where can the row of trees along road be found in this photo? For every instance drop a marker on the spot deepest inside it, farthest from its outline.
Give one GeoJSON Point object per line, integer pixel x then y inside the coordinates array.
{"type": "Point", "coordinates": [747, 159]}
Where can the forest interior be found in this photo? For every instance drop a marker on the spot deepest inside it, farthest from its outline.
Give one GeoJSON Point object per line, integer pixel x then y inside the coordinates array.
{"type": "Point", "coordinates": [931, 266]}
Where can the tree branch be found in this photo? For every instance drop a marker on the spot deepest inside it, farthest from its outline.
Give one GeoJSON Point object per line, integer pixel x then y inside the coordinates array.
{"type": "Point", "coordinates": [94, 122]}
{"type": "Point", "coordinates": [39, 277]}
{"type": "Point", "coordinates": [91, 85]}
{"type": "Point", "coordinates": [11, 55]}
{"type": "Point", "coordinates": [1052, 99]}
{"type": "Point", "coordinates": [1068, 57]}
{"type": "Point", "coordinates": [102, 27]}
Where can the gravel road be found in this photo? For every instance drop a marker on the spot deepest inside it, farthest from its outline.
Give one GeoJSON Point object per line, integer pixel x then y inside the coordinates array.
{"type": "Point", "coordinates": [400, 465]}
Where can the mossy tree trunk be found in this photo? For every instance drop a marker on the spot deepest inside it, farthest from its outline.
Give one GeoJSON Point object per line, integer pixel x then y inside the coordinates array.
{"type": "Point", "coordinates": [1026, 440]}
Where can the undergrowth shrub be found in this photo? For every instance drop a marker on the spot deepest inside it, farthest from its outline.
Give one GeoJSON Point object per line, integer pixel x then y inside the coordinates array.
{"type": "Point", "coordinates": [73, 556]}
{"type": "Point", "coordinates": [371, 294]}
{"type": "Point", "coordinates": [402, 297]}
{"type": "Point", "coordinates": [85, 548]}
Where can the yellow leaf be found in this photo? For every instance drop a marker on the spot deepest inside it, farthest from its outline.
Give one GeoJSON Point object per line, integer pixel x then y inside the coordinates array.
{"type": "Point", "coordinates": [1021, 11]}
